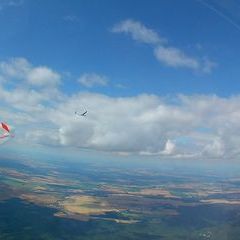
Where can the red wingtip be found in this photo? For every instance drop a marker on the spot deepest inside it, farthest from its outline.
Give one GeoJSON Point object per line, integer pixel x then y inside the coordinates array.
{"type": "Point", "coordinates": [6, 127]}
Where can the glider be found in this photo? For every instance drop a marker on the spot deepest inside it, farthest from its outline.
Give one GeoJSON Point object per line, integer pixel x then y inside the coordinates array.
{"type": "Point", "coordinates": [81, 114]}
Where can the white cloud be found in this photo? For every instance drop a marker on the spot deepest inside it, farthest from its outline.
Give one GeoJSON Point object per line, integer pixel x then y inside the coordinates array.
{"type": "Point", "coordinates": [39, 136]}
{"type": "Point", "coordinates": [148, 125]}
{"type": "Point", "coordinates": [20, 69]}
{"type": "Point", "coordinates": [92, 79]}
{"type": "Point", "coordinates": [22, 99]}
{"type": "Point", "coordinates": [43, 76]}
{"type": "Point", "coordinates": [138, 32]}
{"type": "Point", "coordinates": [30, 100]}
{"type": "Point", "coordinates": [15, 68]}
{"type": "Point", "coordinates": [111, 125]}
{"type": "Point", "coordinates": [169, 147]}
{"type": "Point", "coordinates": [197, 127]}
{"type": "Point", "coordinates": [175, 58]}
{"type": "Point", "coordinates": [164, 53]}
{"type": "Point", "coordinates": [215, 148]}
{"type": "Point", "coordinates": [31, 87]}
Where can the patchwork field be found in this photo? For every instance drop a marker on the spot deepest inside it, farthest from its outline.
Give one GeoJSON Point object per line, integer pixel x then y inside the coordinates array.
{"type": "Point", "coordinates": [93, 202]}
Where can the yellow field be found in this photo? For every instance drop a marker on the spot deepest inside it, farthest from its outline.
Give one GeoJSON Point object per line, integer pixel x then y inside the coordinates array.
{"type": "Point", "coordinates": [221, 201]}
{"type": "Point", "coordinates": [86, 205]}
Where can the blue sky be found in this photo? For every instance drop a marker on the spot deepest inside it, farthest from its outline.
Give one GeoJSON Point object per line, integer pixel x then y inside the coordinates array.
{"type": "Point", "coordinates": [152, 75]}
{"type": "Point", "coordinates": [75, 37]}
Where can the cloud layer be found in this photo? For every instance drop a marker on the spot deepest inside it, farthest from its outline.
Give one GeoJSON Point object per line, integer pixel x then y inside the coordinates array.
{"type": "Point", "coordinates": [194, 127]}
{"type": "Point", "coordinates": [164, 53]}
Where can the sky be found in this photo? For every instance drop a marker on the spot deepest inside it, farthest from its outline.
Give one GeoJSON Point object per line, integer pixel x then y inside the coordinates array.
{"type": "Point", "coordinates": [158, 78]}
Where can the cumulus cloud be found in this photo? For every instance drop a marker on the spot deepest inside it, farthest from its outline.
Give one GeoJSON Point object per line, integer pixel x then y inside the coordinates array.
{"type": "Point", "coordinates": [138, 32]}
{"type": "Point", "coordinates": [164, 53]}
{"type": "Point", "coordinates": [43, 76]}
{"type": "Point", "coordinates": [149, 125]}
{"type": "Point", "coordinates": [197, 127]}
{"type": "Point", "coordinates": [15, 68]}
{"type": "Point", "coordinates": [215, 148]}
{"type": "Point", "coordinates": [175, 58]}
{"type": "Point", "coordinates": [26, 87]}
{"type": "Point", "coordinates": [42, 136]}
{"type": "Point", "coordinates": [23, 99]}
{"type": "Point", "coordinates": [92, 80]}
{"type": "Point", "coordinates": [21, 69]}
{"type": "Point", "coordinates": [169, 148]}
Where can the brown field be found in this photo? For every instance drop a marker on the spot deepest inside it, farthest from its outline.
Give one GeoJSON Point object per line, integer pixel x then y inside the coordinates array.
{"type": "Point", "coordinates": [156, 192]}
{"type": "Point", "coordinates": [86, 205]}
